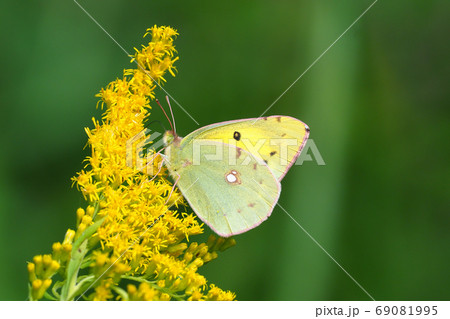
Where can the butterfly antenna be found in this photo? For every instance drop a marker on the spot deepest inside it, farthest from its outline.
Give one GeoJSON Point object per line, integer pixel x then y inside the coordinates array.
{"type": "Point", "coordinates": [171, 112]}
{"type": "Point", "coordinates": [157, 101]}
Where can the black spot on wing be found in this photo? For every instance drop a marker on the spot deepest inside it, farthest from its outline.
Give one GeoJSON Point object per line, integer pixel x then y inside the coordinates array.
{"type": "Point", "coordinates": [237, 135]}
{"type": "Point", "coordinates": [273, 153]}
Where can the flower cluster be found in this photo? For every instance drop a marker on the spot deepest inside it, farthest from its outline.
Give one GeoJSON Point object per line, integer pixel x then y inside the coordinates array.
{"type": "Point", "coordinates": [131, 241]}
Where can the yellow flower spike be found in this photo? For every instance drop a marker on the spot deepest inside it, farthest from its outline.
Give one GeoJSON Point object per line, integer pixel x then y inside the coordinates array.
{"type": "Point", "coordinates": [127, 227]}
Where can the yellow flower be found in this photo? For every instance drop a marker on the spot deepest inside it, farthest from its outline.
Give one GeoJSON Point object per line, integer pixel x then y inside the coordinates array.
{"type": "Point", "coordinates": [144, 293]}
{"type": "Point", "coordinates": [102, 292]}
{"type": "Point", "coordinates": [129, 231]}
{"type": "Point", "coordinates": [215, 293]}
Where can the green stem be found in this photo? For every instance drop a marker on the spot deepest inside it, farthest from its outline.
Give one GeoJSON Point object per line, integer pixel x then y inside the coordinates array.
{"type": "Point", "coordinates": [121, 293]}
{"type": "Point", "coordinates": [139, 279]}
{"type": "Point", "coordinates": [79, 288]}
{"type": "Point", "coordinates": [79, 250]}
{"type": "Point", "coordinates": [50, 297]}
{"type": "Point", "coordinates": [72, 271]}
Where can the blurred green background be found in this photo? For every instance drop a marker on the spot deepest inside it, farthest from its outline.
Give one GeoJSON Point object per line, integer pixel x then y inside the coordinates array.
{"type": "Point", "coordinates": [377, 104]}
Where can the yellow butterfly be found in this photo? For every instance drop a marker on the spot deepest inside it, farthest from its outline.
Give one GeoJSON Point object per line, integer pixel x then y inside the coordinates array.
{"type": "Point", "coordinates": [230, 172]}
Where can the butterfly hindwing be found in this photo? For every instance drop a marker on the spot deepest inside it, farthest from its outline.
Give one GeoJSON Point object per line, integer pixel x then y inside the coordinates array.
{"type": "Point", "coordinates": [228, 188]}
{"type": "Point", "coordinates": [276, 140]}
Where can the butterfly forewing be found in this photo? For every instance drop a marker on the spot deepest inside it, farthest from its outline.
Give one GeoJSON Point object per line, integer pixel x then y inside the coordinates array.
{"type": "Point", "coordinates": [276, 140]}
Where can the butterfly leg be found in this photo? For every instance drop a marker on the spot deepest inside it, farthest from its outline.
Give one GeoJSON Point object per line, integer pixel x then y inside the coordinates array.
{"type": "Point", "coordinates": [153, 159]}
{"type": "Point", "coordinates": [173, 188]}
{"type": "Point", "coordinates": [159, 170]}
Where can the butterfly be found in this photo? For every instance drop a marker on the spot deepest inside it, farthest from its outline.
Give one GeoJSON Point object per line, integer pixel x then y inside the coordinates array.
{"type": "Point", "coordinates": [230, 172]}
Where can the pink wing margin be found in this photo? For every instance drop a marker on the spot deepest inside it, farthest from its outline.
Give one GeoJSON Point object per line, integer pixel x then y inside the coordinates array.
{"type": "Point", "coordinates": [294, 159]}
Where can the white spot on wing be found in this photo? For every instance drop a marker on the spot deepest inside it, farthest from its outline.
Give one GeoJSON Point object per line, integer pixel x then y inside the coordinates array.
{"type": "Point", "coordinates": [231, 178]}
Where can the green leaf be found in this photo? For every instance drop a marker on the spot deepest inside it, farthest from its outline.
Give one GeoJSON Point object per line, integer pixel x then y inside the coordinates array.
{"type": "Point", "coordinates": [79, 250]}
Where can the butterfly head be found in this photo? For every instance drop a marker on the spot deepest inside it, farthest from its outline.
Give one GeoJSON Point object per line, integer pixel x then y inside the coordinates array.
{"type": "Point", "coordinates": [170, 137]}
